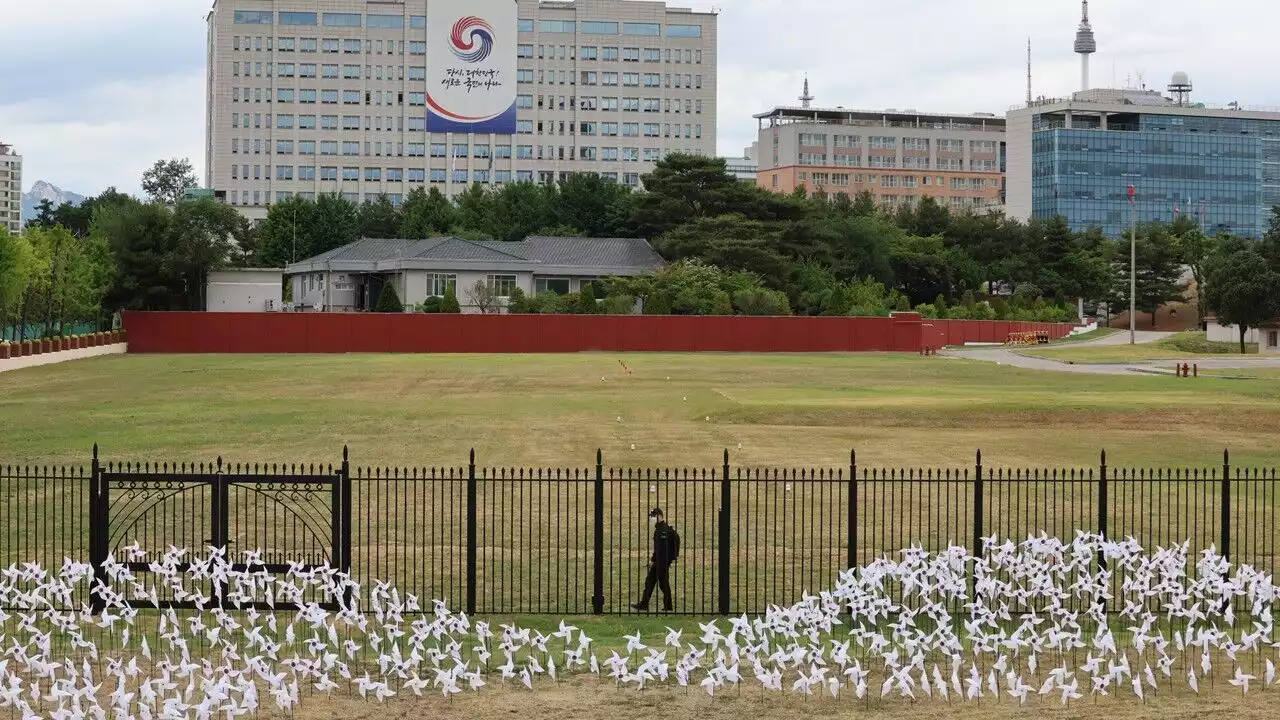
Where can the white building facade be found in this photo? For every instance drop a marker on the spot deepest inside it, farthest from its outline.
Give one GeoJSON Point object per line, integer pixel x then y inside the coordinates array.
{"type": "Point", "coordinates": [10, 189]}
{"type": "Point", "coordinates": [328, 96]}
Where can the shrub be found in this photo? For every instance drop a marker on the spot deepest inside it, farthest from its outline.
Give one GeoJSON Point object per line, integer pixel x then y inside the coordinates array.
{"type": "Point", "coordinates": [430, 305]}
{"type": "Point", "coordinates": [587, 304]}
{"type": "Point", "coordinates": [388, 300]}
{"type": "Point", "coordinates": [927, 310]}
{"type": "Point", "coordinates": [520, 303]}
{"type": "Point", "coordinates": [619, 305]}
{"type": "Point", "coordinates": [760, 301]}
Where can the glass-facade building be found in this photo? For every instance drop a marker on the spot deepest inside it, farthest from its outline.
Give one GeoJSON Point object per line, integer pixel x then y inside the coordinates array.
{"type": "Point", "coordinates": [1221, 170]}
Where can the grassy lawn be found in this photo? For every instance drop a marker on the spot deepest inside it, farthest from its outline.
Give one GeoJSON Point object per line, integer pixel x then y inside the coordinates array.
{"type": "Point", "coordinates": [1259, 373]}
{"type": "Point", "coordinates": [677, 410]}
{"type": "Point", "coordinates": [1182, 346]}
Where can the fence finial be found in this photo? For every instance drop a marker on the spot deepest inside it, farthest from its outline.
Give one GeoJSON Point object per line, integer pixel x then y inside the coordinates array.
{"type": "Point", "coordinates": [1226, 455]}
{"type": "Point", "coordinates": [1104, 456]}
{"type": "Point", "coordinates": [853, 456]}
{"type": "Point", "coordinates": [345, 455]}
{"type": "Point", "coordinates": [979, 456]}
{"type": "Point", "coordinates": [219, 463]}
{"type": "Point", "coordinates": [95, 451]}
{"type": "Point", "coordinates": [473, 456]}
{"type": "Point", "coordinates": [726, 456]}
{"type": "Point", "coordinates": [599, 456]}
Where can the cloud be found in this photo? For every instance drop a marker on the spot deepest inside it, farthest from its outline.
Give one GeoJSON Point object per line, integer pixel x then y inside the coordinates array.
{"type": "Point", "coordinates": [109, 134]}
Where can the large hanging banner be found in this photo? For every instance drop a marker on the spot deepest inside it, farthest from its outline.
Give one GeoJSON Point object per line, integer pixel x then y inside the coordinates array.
{"type": "Point", "coordinates": [471, 66]}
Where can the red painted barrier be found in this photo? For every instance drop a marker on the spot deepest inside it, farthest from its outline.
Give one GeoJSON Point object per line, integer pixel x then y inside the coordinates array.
{"type": "Point", "coordinates": [180, 332]}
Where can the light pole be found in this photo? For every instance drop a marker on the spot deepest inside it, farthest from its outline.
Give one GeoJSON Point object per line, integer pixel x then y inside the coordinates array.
{"type": "Point", "coordinates": [1133, 268]}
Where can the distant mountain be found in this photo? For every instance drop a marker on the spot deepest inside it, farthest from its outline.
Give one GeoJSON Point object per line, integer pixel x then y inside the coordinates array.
{"type": "Point", "coordinates": [42, 191]}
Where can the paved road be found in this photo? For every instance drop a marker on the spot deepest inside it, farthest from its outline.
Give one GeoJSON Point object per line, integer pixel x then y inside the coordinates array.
{"type": "Point", "coordinates": [1003, 356]}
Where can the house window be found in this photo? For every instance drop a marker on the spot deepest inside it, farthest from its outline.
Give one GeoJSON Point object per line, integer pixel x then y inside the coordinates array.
{"type": "Point", "coordinates": [501, 285]}
{"type": "Point", "coordinates": [559, 286]}
{"type": "Point", "coordinates": [1273, 338]}
{"type": "Point", "coordinates": [441, 285]}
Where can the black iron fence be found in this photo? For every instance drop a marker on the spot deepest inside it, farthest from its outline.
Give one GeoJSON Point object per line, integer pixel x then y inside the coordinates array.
{"type": "Point", "coordinates": [577, 540]}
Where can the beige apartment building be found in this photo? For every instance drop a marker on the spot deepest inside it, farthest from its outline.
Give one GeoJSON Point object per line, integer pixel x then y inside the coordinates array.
{"type": "Point", "coordinates": [10, 189]}
{"type": "Point", "coordinates": [328, 96]}
{"type": "Point", "coordinates": [897, 155]}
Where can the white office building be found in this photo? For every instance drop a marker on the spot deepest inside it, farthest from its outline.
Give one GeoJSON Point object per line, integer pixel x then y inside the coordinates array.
{"type": "Point", "coordinates": [328, 96]}
{"type": "Point", "coordinates": [10, 189]}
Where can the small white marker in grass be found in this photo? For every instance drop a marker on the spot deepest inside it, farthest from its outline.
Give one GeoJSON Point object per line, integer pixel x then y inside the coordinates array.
{"type": "Point", "coordinates": [633, 446]}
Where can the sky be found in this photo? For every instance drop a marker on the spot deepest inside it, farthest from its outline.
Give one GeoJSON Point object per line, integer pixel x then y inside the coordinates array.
{"type": "Point", "coordinates": [94, 91]}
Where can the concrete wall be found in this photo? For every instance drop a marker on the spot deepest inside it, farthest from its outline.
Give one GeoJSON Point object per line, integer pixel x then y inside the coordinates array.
{"type": "Point", "coordinates": [1018, 164]}
{"type": "Point", "coordinates": [244, 291]}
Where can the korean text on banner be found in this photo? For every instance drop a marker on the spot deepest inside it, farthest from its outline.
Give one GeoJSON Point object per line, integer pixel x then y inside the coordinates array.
{"type": "Point", "coordinates": [471, 66]}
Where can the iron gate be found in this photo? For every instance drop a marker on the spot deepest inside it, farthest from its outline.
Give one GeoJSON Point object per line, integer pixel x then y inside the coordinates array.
{"type": "Point", "coordinates": [286, 516]}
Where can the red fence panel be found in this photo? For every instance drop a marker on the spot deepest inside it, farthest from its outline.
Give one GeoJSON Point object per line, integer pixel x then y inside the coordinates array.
{"type": "Point", "coordinates": [179, 332]}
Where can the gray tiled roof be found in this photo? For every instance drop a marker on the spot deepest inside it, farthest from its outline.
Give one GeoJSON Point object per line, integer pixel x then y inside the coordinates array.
{"type": "Point", "coordinates": [593, 252]}
{"type": "Point", "coordinates": [624, 255]}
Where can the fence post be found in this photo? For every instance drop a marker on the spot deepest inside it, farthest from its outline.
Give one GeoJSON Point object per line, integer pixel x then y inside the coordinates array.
{"type": "Point", "coordinates": [97, 531]}
{"type": "Point", "coordinates": [471, 533]}
{"type": "Point", "coordinates": [597, 549]}
{"type": "Point", "coordinates": [1226, 504]}
{"type": "Point", "coordinates": [347, 530]}
{"type": "Point", "coordinates": [1102, 512]}
{"type": "Point", "coordinates": [977, 507]}
{"type": "Point", "coordinates": [851, 521]}
{"type": "Point", "coordinates": [725, 500]}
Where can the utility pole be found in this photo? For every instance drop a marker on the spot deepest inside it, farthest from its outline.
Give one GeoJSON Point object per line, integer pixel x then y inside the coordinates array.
{"type": "Point", "coordinates": [1133, 268]}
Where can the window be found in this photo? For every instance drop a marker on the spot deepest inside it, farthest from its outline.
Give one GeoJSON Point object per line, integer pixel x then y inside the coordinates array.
{"type": "Point", "coordinates": [284, 70]}
{"type": "Point", "coordinates": [919, 144]}
{"type": "Point", "coordinates": [611, 53]}
{"type": "Point", "coordinates": [524, 76]}
{"type": "Point", "coordinates": [439, 175]}
{"type": "Point", "coordinates": [307, 70]}
{"type": "Point", "coordinates": [329, 71]}
{"type": "Point", "coordinates": [631, 54]}
{"type": "Point", "coordinates": [631, 129]}
{"type": "Point", "coordinates": [879, 142]}
{"type": "Point", "coordinates": [351, 47]}
{"type": "Point", "coordinates": [643, 29]}
{"type": "Point", "coordinates": [284, 122]}
{"type": "Point", "coordinates": [559, 286]}
{"type": "Point", "coordinates": [524, 101]}
{"type": "Point", "coordinates": [342, 19]}
{"type": "Point", "coordinates": [419, 72]}
{"type": "Point", "coordinates": [609, 129]}
{"type": "Point", "coordinates": [631, 104]}
{"type": "Point", "coordinates": [524, 25]}
{"type": "Point", "coordinates": [417, 149]}
{"type": "Point", "coordinates": [417, 175]}
{"type": "Point", "coordinates": [651, 129]}
{"type": "Point", "coordinates": [417, 98]}
{"type": "Point", "coordinates": [441, 284]}
{"type": "Point", "coordinates": [951, 146]}
{"type": "Point", "coordinates": [813, 139]}
{"type": "Point", "coordinates": [329, 45]}
{"type": "Point", "coordinates": [307, 45]}
{"type": "Point", "coordinates": [395, 174]}
{"type": "Point", "coordinates": [652, 55]}
{"type": "Point", "coordinates": [417, 124]}
{"type": "Point", "coordinates": [284, 95]}
{"type": "Point", "coordinates": [417, 47]}
{"type": "Point", "coordinates": [285, 44]}
{"type": "Point", "coordinates": [351, 72]}
{"type": "Point", "coordinates": [524, 152]}
{"type": "Point", "coordinates": [328, 173]}
{"type": "Point", "coordinates": [502, 151]}
{"type": "Point", "coordinates": [631, 79]}
{"type": "Point", "coordinates": [813, 158]}
{"type": "Point", "coordinates": [915, 163]}
{"type": "Point", "coordinates": [284, 172]}
{"type": "Point", "coordinates": [1273, 338]}
{"type": "Point", "coordinates": [297, 18]}
{"type": "Point", "coordinates": [684, 31]}
{"type": "Point", "coordinates": [350, 148]}
{"type": "Point", "coordinates": [652, 80]}
{"type": "Point", "coordinates": [589, 52]}
{"type": "Point", "coordinates": [460, 150]}
{"type": "Point", "coordinates": [610, 78]}
{"type": "Point", "coordinates": [460, 176]}
{"type": "Point", "coordinates": [524, 127]}
{"type": "Point", "coordinates": [350, 173]}
{"type": "Point", "coordinates": [501, 285]}
{"type": "Point", "coordinates": [306, 122]}
{"type": "Point", "coordinates": [982, 146]}
{"type": "Point", "coordinates": [284, 147]}
{"type": "Point", "coordinates": [350, 97]}
{"type": "Point", "coordinates": [253, 17]}
{"type": "Point", "coordinates": [328, 147]}
{"type": "Point", "coordinates": [524, 51]}
{"type": "Point", "coordinates": [631, 154]}
{"type": "Point", "coordinates": [556, 26]}
{"type": "Point", "coordinates": [394, 22]}
{"type": "Point", "coordinates": [418, 21]}
{"type": "Point", "coordinates": [882, 161]}
{"type": "Point", "coordinates": [597, 28]}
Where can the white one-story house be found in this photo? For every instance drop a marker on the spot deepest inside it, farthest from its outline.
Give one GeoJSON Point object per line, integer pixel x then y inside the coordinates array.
{"type": "Point", "coordinates": [1267, 337]}
{"type": "Point", "coordinates": [351, 277]}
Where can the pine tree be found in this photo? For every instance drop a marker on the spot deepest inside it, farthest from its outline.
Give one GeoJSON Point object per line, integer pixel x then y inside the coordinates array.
{"type": "Point", "coordinates": [388, 300]}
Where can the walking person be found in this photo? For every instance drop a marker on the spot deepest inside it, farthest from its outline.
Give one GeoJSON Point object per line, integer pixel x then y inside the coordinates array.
{"type": "Point", "coordinates": [666, 548]}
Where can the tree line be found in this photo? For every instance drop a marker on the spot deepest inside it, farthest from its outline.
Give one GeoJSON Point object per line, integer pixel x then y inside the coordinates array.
{"type": "Point", "coordinates": [732, 247]}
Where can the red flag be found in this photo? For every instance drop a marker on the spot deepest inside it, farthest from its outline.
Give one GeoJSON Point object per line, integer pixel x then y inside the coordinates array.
{"type": "Point", "coordinates": [1131, 192]}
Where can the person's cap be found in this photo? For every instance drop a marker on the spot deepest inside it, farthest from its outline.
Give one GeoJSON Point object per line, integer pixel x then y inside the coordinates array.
{"type": "Point", "coordinates": [656, 512]}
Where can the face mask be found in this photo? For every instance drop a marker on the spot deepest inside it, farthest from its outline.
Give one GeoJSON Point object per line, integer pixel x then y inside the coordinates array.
{"type": "Point", "coordinates": [653, 521]}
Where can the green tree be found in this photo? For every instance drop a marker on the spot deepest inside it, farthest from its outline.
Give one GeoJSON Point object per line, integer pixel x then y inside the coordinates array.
{"type": "Point", "coordinates": [17, 264]}
{"type": "Point", "coordinates": [379, 218]}
{"type": "Point", "coordinates": [521, 304]}
{"type": "Point", "coordinates": [167, 181]}
{"type": "Point", "coordinates": [46, 215]}
{"type": "Point", "coordinates": [475, 207]}
{"type": "Point", "coordinates": [1243, 290]}
{"type": "Point", "coordinates": [426, 213]}
{"type": "Point", "coordinates": [204, 234]}
{"type": "Point", "coordinates": [283, 237]}
{"type": "Point", "coordinates": [864, 204]}
{"type": "Point", "coordinates": [388, 300]}
{"type": "Point", "coordinates": [449, 304]}
{"type": "Point", "coordinates": [140, 240]}
{"type": "Point", "coordinates": [592, 205]}
{"type": "Point", "coordinates": [761, 301]}
{"type": "Point", "coordinates": [517, 211]}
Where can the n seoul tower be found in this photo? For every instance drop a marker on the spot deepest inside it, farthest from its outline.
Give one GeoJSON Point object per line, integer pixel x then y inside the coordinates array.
{"type": "Point", "coordinates": [1086, 45]}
